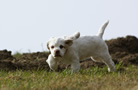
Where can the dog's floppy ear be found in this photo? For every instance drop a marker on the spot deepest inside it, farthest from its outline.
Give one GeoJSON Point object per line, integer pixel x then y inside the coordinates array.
{"type": "Point", "coordinates": [70, 39]}
{"type": "Point", "coordinates": [48, 45]}
{"type": "Point", "coordinates": [49, 42]}
{"type": "Point", "coordinates": [69, 42]}
{"type": "Point", "coordinates": [75, 36]}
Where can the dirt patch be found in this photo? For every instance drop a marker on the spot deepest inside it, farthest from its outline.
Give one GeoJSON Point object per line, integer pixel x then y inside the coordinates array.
{"type": "Point", "coordinates": [129, 44]}
{"type": "Point", "coordinates": [31, 61]}
{"type": "Point", "coordinates": [122, 49]}
{"type": "Point", "coordinates": [5, 55]}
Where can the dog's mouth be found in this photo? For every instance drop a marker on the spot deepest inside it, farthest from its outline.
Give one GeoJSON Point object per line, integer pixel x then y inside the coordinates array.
{"type": "Point", "coordinates": [57, 55]}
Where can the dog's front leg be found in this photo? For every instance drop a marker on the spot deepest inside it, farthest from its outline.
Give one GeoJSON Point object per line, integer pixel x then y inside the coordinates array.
{"type": "Point", "coordinates": [52, 62]}
{"type": "Point", "coordinates": [75, 66]}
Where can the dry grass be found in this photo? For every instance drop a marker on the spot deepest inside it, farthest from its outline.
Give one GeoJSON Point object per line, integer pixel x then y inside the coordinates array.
{"type": "Point", "coordinates": [90, 79]}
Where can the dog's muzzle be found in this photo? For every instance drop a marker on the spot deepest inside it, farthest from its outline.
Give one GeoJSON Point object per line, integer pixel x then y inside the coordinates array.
{"type": "Point", "coordinates": [57, 53]}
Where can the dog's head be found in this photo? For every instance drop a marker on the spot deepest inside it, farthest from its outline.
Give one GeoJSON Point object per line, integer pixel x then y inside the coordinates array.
{"type": "Point", "coordinates": [58, 46]}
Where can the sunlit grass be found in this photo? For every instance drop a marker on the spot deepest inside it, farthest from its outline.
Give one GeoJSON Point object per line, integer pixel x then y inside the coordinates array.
{"type": "Point", "coordinates": [94, 79]}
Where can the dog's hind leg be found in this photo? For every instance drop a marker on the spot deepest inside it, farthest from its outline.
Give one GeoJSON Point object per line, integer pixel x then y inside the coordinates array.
{"type": "Point", "coordinates": [109, 62]}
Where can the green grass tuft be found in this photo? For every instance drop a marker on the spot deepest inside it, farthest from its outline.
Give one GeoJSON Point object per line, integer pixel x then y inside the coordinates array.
{"type": "Point", "coordinates": [17, 55]}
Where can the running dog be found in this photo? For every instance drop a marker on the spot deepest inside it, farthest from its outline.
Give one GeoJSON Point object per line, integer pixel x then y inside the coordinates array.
{"type": "Point", "coordinates": [72, 49]}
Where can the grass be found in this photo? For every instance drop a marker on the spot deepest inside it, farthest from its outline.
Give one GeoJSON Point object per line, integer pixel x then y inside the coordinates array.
{"type": "Point", "coordinates": [17, 55]}
{"type": "Point", "coordinates": [89, 79]}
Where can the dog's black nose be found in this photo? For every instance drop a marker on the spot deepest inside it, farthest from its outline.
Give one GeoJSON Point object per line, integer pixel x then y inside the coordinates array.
{"type": "Point", "coordinates": [57, 51]}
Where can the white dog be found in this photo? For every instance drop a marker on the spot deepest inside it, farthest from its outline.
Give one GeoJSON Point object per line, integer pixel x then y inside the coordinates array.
{"type": "Point", "coordinates": [74, 48]}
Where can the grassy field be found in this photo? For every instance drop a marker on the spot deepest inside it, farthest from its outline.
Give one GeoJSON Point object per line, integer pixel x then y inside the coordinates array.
{"type": "Point", "coordinates": [125, 78]}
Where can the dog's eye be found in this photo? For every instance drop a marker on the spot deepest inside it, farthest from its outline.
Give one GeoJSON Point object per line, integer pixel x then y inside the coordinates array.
{"type": "Point", "coordinates": [52, 47]}
{"type": "Point", "coordinates": [61, 46]}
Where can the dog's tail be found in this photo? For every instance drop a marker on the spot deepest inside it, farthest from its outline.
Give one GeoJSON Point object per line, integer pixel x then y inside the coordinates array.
{"type": "Point", "coordinates": [102, 28]}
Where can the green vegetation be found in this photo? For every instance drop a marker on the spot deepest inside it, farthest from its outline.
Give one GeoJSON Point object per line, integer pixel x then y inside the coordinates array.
{"type": "Point", "coordinates": [125, 78]}
{"type": "Point", "coordinates": [17, 55]}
